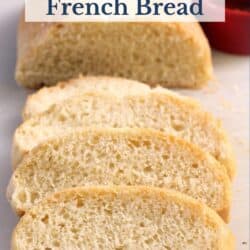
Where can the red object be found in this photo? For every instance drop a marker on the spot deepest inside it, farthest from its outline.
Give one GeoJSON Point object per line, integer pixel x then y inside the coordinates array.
{"type": "Point", "coordinates": [233, 35]}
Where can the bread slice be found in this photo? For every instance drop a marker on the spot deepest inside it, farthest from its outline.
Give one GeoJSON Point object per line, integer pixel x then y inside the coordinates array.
{"type": "Point", "coordinates": [170, 54]}
{"type": "Point", "coordinates": [121, 218]}
{"type": "Point", "coordinates": [159, 110]}
{"type": "Point", "coordinates": [47, 96]}
{"type": "Point", "coordinates": [119, 157]}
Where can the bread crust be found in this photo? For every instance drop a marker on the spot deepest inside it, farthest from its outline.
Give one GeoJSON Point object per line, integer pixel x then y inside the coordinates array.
{"type": "Point", "coordinates": [209, 217]}
{"type": "Point", "coordinates": [218, 170]}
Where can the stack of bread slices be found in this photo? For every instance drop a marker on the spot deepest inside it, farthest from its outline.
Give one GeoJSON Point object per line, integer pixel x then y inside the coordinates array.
{"type": "Point", "coordinates": [109, 163]}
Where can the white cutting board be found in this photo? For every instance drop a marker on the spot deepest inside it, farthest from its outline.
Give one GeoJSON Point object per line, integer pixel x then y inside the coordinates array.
{"type": "Point", "coordinates": [227, 98]}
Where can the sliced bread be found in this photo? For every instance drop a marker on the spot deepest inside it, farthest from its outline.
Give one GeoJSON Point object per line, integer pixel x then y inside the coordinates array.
{"type": "Point", "coordinates": [119, 157]}
{"type": "Point", "coordinates": [170, 54]}
{"type": "Point", "coordinates": [162, 111]}
{"type": "Point", "coordinates": [121, 218]}
{"type": "Point", "coordinates": [47, 96]}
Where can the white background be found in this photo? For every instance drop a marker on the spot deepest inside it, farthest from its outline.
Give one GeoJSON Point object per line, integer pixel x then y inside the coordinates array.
{"type": "Point", "coordinates": [228, 98]}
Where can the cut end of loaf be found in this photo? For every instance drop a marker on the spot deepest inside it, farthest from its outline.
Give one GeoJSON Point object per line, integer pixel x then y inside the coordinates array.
{"type": "Point", "coordinates": [179, 57]}
{"type": "Point", "coordinates": [121, 218]}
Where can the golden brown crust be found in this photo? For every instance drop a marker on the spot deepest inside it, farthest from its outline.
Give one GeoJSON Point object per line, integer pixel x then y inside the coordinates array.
{"type": "Point", "coordinates": [208, 216]}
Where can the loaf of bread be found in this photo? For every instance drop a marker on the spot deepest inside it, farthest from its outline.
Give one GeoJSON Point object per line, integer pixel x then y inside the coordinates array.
{"type": "Point", "coordinates": [163, 111]}
{"type": "Point", "coordinates": [170, 54]}
{"type": "Point", "coordinates": [119, 157]}
{"type": "Point", "coordinates": [121, 218]}
{"type": "Point", "coordinates": [42, 99]}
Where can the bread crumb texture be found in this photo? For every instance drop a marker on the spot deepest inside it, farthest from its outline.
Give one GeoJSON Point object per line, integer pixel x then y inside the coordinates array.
{"type": "Point", "coordinates": [170, 54]}
{"type": "Point", "coordinates": [121, 218]}
{"type": "Point", "coordinates": [119, 157]}
{"type": "Point", "coordinates": [44, 98]}
{"type": "Point", "coordinates": [164, 111]}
